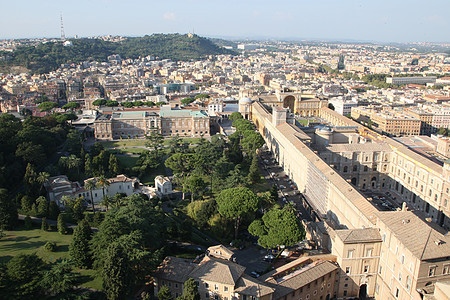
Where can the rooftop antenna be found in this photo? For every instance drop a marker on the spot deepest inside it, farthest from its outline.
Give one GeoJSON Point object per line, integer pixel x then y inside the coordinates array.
{"type": "Point", "coordinates": [63, 36]}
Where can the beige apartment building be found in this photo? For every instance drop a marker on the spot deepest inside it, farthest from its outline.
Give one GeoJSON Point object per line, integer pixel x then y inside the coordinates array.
{"type": "Point", "coordinates": [393, 123]}
{"type": "Point", "coordinates": [379, 163]}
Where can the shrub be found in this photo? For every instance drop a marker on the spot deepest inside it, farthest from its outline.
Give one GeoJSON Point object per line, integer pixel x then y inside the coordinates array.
{"type": "Point", "coordinates": [50, 247]}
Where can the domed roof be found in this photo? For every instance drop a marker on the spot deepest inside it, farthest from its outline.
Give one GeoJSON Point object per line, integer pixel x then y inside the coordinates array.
{"type": "Point", "coordinates": [245, 100]}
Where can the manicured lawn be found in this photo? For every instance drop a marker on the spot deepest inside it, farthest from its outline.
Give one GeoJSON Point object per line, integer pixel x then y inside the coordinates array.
{"type": "Point", "coordinates": [149, 179]}
{"type": "Point", "coordinates": [124, 143]}
{"type": "Point", "coordinates": [189, 140]}
{"type": "Point", "coordinates": [32, 241]}
{"type": "Point", "coordinates": [126, 161]}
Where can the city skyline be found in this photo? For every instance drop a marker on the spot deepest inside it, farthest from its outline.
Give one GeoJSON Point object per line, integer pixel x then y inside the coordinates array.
{"type": "Point", "coordinates": [357, 20]}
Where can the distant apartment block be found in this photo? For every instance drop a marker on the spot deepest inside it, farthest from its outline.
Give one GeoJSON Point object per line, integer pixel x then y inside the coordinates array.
{"type": "Point", "coordinates": [411, 80]}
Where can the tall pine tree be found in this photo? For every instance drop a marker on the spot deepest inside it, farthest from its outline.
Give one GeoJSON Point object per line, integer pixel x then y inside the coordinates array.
{"type": "Point", "coordinates": [254, 175]}
{"type": "Point", "coordinates": [116, 271]}
{"type": "Point", "coordinates": [8, 211]}
{"type": "Point", "coordinates": [79, 250]}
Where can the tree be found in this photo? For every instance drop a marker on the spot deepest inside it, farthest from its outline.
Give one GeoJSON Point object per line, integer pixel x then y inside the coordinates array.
{"type": "Point", "coordinates": [154, 140]}
{"type": "Point", "coordinates": [181, 164]}
{"type": "Point", "coordinates": [53, 210]}
{"type": "Point", "coordinates": [75, 206]}
{"type": "Point", "coordinates": [235, 203]}
{"type": "Point", "coordinates": [443, 131]}
{"type": "Point", "coordinates": [235, 116]}
{"type": "Point", "coordinates": [102, 182]}
{"type": "Point", "coordinates": [79, 248]}
{"type": "Point", "coordinates": [277, 227]}
{"type": "Point", "coordinates": [28, 223]}
{"type": "Point", "coordinates": [201, 211]}
{"type": "Point", "coordinates": [114, 168]}
{"type": "Point", "coordinates": [99, 102]}
{"type": "Point", "coordinates": [25, 272]}
{"type": "Point", "coordinates": [187, 101]}
{"type": "Point", "coordinates": [62, 227]}
{"type": "Point", "coordinates": [202, 96]}
{"type": "Point", "coordinates": [59, 279]}
{"type": "Point", "coordinates": [31, 153]}
{"type": "Point", "coordinates": [116, 272]}
{"type": "Point", "coordinates": [71, 106]}
{"type": "Point", "coordinates": [42, 179]}
{"type": "Point", "coordinates": [164, 293]}
{"type": "Point", "coordinates": [8, 211]}
{"type": "Point", "coordinates": [88, 165]}
{"type": "Point", "coordinates": [47, 105]}
{"type": "Point", "coordinates": [254, 175]}
{"type": "Point", "coordinates": [190, 290]}
{"type": "Point", "coordinates": [42, 206]}
{"type": "Point", "coordinates": [90, 186]}
{"type": "Point", "coordinates": [44, 224]}
{"type": "Point", "coordinates": [195, 184]}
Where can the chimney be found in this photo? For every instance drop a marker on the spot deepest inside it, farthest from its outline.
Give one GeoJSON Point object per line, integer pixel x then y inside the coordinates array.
{"type": "Point", "coordinates": [404, 207]}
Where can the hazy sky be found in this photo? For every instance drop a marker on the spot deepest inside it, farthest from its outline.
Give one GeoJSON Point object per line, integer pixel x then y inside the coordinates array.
{"type": "Point", "coordinates": [373, 20]}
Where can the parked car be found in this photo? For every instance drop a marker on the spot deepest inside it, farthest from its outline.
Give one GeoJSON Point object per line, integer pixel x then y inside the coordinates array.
{"type": "Point", "coordinates": [269, 258]}
{"type": "Point", "coordinates": [254, 274]}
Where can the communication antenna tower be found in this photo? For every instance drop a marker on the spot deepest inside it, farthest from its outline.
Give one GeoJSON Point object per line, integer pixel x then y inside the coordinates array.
{"type": "Point", "coordinates": [63, 36]}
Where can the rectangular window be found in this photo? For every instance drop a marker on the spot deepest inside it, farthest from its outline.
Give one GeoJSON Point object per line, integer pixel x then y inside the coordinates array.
{"type": "Point", "coordinates": [216, 287]}
{"type": "Point", "coordinates": [347, 270]}
{"type": "Point", "coordinates": [206, 285]}
{"type": "Point", "coordinates": [366, 269]}
{"type": "Point", "coordinates": [349, 253]}
{"type": "Point", "coordinates": [446, 269]}
{"type": "Point", "coordinates": [225, 289]}
{"type": "Point", "coordinates": [408, 283]}
{"type": "Point", "coordinates": [432, 271]}
{"type": "Point", "coordinates": [369, 252]}
{"type": "Point", "coordinates": [397, 292]}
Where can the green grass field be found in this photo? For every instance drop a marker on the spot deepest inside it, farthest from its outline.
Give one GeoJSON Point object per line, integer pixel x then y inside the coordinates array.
{"type": "Point", "coordinates": [32, 241]}
{"type": "Point", "coordinates": [124, 143]}
{"type": "Point", "coordinates": [127, 161]}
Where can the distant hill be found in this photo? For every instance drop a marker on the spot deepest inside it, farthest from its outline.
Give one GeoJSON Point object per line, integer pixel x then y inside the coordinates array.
{"type": "Point", "coordinates": [46, 57]}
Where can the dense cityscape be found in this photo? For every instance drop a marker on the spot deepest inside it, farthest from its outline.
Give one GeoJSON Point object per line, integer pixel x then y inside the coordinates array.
{"type": "Point", "coordinates": [181, 167]}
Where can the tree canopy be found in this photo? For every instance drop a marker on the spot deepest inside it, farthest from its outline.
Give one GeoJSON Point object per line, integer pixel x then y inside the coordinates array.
{"type": "Point", "coordinates": [277, 227]}
{"type": "Point", "coordinates": [235, 203]}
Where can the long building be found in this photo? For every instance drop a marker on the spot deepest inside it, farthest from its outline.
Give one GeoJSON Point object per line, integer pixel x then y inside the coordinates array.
{"type": "Point", "coordinates": [382, 254]}
{"type": "Point", "coordinates": [139, 123]}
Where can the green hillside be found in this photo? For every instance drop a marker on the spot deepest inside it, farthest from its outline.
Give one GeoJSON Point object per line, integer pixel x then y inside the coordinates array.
{"type": "Point", "coordinates": [46, 57]}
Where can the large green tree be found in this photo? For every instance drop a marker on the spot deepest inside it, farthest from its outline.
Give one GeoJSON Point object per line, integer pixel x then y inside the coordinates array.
{"type": "Point", "coordinates": [79, 248]}
{"type": "Point", "coordinates": [24, 272]}
{"type": "Point", "coordinates": [190, 290]}
{"type": "Point", "coordinates": [235, 203]}
{"type": "Point", "coordinates": [164, 293]}
{"type": "Point", "coordinates": [116, 271]}
{"type": "Point", "coordinates": [277, 227]}
{"type": "Point", "coordinates": [8, 211]}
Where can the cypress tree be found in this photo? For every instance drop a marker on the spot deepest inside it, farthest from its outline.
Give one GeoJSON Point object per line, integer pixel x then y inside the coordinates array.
{"type": "Point", "coordinates": [62, 227]}
{"type": "Point", "coordinates": [116, 272]}
{"type": "Point", "coordinates": [190, 291]}
{"type": "Point", "coordinates": [8, 211]}
{"type": "Point", "coordinates": [28, 223]}
{"type": "Point", "coordinates": [79, 250]}
{"type": "Point", "coordinates": [44, 225]}
{"type": "Point", "coordinates": [254, 176]}
{"type": "Point", "coordinates": [164, 293]}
